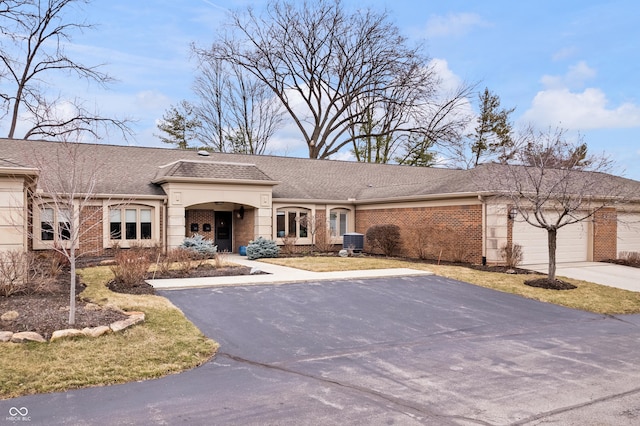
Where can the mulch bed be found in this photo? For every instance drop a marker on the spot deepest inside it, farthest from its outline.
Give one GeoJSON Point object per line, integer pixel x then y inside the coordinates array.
{"type": "Point", "coordinates": [623, 262]}
{"type": "Point", "coordinates": [47, 312]}
{"type": "Point", "coordinates": [205, 270]}
{"type": "Point", "coordinates": [500, 269]}
{"type": "Point", "coordinates": [550, 284]}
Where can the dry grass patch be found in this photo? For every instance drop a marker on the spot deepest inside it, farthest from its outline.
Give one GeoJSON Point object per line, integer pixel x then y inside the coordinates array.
{"type": "Point", "coordinates": [587, 296]}
{"type": "Point", "coordinates": [166, 343]}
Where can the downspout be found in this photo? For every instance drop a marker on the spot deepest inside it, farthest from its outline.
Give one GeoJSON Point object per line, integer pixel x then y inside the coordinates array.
{"type": "Point", "coordinates": [165, 239]}
{"type": "Point", "coordinates": [484, 229]}
{"type": "Point", "coordinates": [26, 216]}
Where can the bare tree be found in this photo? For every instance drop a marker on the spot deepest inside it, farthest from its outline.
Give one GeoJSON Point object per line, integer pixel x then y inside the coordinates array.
{"type": "Point", "coordinates": [238, 112]}
{"type": "Point", "coordinates": [443, 125]}
{"type": "Point", "coordinates": [34, 34]}
{"type": "Point", "coordinates": [407, 126]}
{"type": "Point", "coordinates": [320, 61]}
{"type": "Point", "coordinates": [559, 155]}
{"type": "Point", "coordinates": [65, 202]}
{"type": "Point", "coordinates": [551, 198]}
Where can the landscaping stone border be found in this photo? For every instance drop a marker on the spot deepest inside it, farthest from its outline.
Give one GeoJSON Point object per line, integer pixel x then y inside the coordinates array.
{"type": "Point", "coordinates": [69, 333]}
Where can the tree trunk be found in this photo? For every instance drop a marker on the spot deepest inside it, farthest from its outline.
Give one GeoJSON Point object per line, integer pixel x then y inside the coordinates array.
{"type": "Point", "coordinates": [72, 289]}
{"type": "Point", "coordinates": [552, 237]}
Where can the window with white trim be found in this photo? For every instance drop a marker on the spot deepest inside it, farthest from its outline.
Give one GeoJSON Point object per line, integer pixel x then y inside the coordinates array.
{"type": "Point", "coordinates": [130, 223]}
{"type": "Point", "coordinates": [338, 222]}
{"type": "Point", "coordinates": [292, 222]}
{"type": "Point", "coordinates": [55, 225]}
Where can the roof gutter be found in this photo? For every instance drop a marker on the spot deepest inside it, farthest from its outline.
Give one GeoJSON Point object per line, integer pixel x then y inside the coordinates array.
{"type": "Point", "coordinates": [410, 198]}
{"type": "Point", "coordinates": [19, 171]}
{"type": "Point", "coordinates": [179, 179]}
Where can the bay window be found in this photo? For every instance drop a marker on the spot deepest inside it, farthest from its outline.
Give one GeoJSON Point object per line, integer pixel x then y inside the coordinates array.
{"type": "Point", "coordinates": [292, 222]}
{"type": "Point", "coordinates": [134, 221]}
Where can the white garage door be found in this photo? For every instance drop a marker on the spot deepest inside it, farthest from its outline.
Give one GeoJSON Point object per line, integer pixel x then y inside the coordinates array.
{"type": "Point", "coordinates": [572, 242]}
{"type": "Point", "coordinates": [628, 232]}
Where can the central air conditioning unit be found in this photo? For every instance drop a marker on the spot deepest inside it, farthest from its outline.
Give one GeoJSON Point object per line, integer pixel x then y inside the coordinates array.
{"type": "Point", "coordinates": [353, 240]}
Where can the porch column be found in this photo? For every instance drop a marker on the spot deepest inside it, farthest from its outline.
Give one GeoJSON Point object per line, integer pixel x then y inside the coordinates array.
{"type": "Point", "coordinates": [175, 226]}
{"type": "Point", "coordinates": [264, 223]}
{"type": "Point", "coordinates": [13, 214]}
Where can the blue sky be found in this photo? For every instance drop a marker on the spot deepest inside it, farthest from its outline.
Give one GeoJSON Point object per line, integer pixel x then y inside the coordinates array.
{"type": "Point", "coordinates": [574, 64]}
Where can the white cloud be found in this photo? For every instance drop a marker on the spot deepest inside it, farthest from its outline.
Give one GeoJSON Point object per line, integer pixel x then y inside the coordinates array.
{"type": "Point", "coordinates": [344, 156]}
{"type": "Point", "coordinates": [565, 101]}
{"type": "Point", "coordinates": [576, 77]}
{"type": "Point", "coordinates": [564, 53]}
{"type": "Point", "coordinates": [584, 110]}
{"type": "Point", "coordinates": [152, 100]}
{"type": "Point", "coordinates": [448, 79]}
{"type": "Point", "coordinates": [453, 24]}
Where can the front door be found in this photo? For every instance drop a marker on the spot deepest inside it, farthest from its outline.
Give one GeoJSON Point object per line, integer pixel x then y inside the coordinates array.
{"type": "Point", "coordinates": [223, 231]}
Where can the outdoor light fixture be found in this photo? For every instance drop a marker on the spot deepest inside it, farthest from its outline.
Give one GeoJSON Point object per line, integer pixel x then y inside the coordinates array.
{"type": "Point", "coordinates": [240, 214]}
{"type": "Point", "coordinates": [513, 213]}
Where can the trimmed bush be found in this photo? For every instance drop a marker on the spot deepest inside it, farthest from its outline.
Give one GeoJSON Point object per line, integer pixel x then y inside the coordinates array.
{"type": "Point", "coordinates": [385, 238]}
{"type": "Point", "coordinates": [24, 273]}
{"type": "Point", "coordinates": [200, 245]}
{"type": "Point", "coordinates": [131, 266]}
{"type": "Point", "coordinates": [261, 248]}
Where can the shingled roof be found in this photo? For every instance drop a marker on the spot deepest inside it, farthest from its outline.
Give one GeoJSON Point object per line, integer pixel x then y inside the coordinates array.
{"type": "Point", "coordinates": [130, 170]}
{"type": "Point", "coordinates": [211, 171]}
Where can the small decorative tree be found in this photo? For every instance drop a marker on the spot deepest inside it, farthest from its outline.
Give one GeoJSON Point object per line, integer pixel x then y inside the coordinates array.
{"type": "Point", "coordinates": [262, 248]}
{"type": "Point", "coordinates": [200, 245]}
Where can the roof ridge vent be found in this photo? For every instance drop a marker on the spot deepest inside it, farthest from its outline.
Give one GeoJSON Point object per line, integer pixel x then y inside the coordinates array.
{"type": "Point", "coordinates": [203, 153]}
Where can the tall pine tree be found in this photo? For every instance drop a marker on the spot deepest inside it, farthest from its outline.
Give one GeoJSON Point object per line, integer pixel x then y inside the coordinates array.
{"type": "Point", "coordinates": [179, 125]}
{"type": "Point", "coordinates": [493, 132]}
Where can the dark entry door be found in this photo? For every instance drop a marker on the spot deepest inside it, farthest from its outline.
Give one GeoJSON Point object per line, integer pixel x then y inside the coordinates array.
{"type": "Point", "coordinates": [223, 231]}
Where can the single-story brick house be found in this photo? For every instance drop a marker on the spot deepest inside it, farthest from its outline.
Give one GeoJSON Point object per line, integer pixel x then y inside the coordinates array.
{"type": "Point", "coordinates": [158, 196]}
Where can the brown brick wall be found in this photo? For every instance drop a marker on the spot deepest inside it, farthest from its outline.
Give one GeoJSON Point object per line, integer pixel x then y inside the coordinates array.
{"type": "Point", "coordinates": [91, 231]}
{"type": "Point", "coordinates": [243, 229]}
{"type": "Point", "coordinates": [605, 235]}
{"type": "Point", "coordinates": [200, 217]}
{"type": "Point", "coordinates": [451, 233]}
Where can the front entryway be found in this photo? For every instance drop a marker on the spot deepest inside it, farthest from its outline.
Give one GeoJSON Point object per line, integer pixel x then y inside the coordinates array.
{"type": "Point", "coordinates": [223, 231]}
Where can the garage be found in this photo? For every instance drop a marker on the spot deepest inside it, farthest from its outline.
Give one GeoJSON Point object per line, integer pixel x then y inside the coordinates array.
{"type": "Point", "coordinates": [572, 242]}
{"type": "Point", "coordinates": [628, 232]}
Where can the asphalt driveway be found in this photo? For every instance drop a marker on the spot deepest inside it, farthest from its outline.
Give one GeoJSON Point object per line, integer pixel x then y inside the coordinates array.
{"type": "Point", "coordinates": [412, 350]}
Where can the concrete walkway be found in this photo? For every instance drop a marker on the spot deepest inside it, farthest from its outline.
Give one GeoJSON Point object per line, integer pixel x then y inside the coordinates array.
{"type": "Point", "coordinates": [277, 274]}
{"type": "Point", "coordinates": [608, 274]}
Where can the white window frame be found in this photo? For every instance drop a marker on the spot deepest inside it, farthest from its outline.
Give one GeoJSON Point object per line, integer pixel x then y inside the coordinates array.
{"type": "Point", "coordinates": [341, 222]}
{"type": "Point", "coordinates": [350, 225]}
{"type": "Point", "coordinates": [123, 242]}
{"type": "Point", "coordinates": [57, 241]}
{"type": "Point", "coordinates": [298, 211]}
